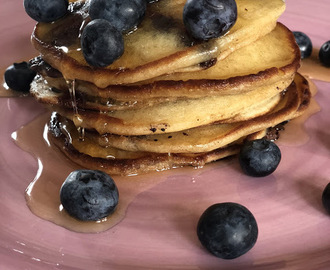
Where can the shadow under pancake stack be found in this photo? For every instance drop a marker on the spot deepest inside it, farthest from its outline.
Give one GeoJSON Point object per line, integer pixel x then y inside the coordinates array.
{"type": "Point", "coordinates": [169, 100]}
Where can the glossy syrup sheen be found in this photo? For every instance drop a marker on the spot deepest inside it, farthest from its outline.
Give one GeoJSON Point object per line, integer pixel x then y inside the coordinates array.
{"type": "Point", "coordinates": [42, 195]}
{"type": "Point", "coordinates": [313, 69]}
{"type": "Point", "coordinates": [163, 25]}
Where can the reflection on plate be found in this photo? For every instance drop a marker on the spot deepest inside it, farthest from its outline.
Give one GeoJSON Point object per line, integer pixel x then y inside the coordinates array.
{"type": "Point", "coordinates": [158, 231]}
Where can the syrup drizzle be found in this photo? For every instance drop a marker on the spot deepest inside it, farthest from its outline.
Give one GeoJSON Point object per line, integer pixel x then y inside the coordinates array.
{"type": "Point", "coordinates": [295, 133]}
{"type": "Point", "coordinates": [312, 68]}
{"type": "Point", "coordinates": [42, 195]}
{"type": "Point", "coordinates": [76, 117]}
{"type": "Point", "coordinates": [72, 90]}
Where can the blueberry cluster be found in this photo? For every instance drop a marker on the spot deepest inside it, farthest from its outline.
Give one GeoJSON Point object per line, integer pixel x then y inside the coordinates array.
{"type": "Point", "coordinates": [306, 46]}
{"type": "Point", "coordinates": [101, 41]}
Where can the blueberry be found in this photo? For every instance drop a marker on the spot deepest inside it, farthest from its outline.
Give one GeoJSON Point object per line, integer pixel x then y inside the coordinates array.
{"type": "Point", "coordinates": [259, 157]}
{"type": "Point", "coordinates": [324, 54]}
{"type": "Point", "coordinates": [89, 195]}
{"type": "Point", "coordinates": [326, 198]}
{"type": "Point", "coordinates": [206, 19]}
{"type": "Point", "coordinates": [227, 230]}
{"type": "Point", "coordinates": [46, 10]}
{"type": "Point", "coordinates": [19, 76]}
{"type": "Point", "coordinates": [304, 43]}
{"type": "Point", "coordinates": [101, 43]}
{"type": "Point", "coordinates": [124, 15]}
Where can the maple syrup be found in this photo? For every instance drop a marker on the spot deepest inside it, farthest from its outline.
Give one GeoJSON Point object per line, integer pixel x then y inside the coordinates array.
{"type": "Point", "coordinates": [295, 133]}
{"type": "Point", "coordinates": [312, 68]}
{"type": "Point", "coordinates": [42, 195]}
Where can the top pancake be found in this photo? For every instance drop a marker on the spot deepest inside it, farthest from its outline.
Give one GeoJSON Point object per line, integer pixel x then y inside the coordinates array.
{"type": "Point", "coordinates": [159, 46]}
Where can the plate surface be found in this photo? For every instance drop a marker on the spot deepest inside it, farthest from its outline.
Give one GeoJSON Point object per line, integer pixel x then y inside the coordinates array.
{"type": "Point", "coordinates": [158, 231]}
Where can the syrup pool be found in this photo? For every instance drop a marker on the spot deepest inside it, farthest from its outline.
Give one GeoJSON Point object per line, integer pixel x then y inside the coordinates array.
{"type": "Point", "coordinates": [295, 133]}
{"type": "Point", "coordinates": [312, 68]}
{"type": "Point", "coordinates": [42, 195]}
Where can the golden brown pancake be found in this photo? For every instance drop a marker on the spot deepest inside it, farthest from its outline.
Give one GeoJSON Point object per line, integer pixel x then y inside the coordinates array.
{"type": "Point", "coordinates": [179, 115]}
{"type": "Point", "coordinates": [273, 58]}
{"type": "Point", "coordinates": [209, 137]}
{"type": "Point", "coordinates": [159, 46]}
{"type": "Point", "coordinates": [97, 153]}
{"type": "Point", "coordinates": [116, 161]}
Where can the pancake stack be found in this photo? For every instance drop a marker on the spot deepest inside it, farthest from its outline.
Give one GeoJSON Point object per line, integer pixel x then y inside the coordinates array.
{"type": "Point", "coordinates": [170, 100]}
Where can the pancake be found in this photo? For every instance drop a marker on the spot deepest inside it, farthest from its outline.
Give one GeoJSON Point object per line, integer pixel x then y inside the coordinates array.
{"type": "Point", "coordinates": [179, 115]}
{"type": "Point", "coordinates": [293, 103]}
{"type": "Point", "coordinates": [120, 162]}
{"type": "Point", "coordinates": [159, 46]}
{"type": "Point", "coordinates": [95, 152]}
{"type": "Point", "coordinates": [273, 58]}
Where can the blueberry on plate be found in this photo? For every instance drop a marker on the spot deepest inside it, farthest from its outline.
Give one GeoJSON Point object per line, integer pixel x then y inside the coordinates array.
{"type": "Point", "coordinates": [46, 10]}
{"type": "Point", "coordinates": [206, 19]}
{"type": "Point", "coordinates": [227, 230]}
{"type": "Point", "coordinates": [89, 195]}
{"type": "Point", "coordinates": [101, 43]}
{"type": "Point", "coordinates": [326, 198]}
{"type": "Point", "coordinates": [324, 54]}
{"type": "Point", "coordinates": [304, 43]}
{"type": "Point", "coordinates": [124, 15]}
{"type": "Point", "coordinates": [19, 76]}
{"type": "Point", "coordinates": [259, 157]}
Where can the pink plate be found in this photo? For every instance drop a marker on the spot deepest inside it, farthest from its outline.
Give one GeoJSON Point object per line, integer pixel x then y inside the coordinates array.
{"type": "Point", "coordinates": [159, 228]}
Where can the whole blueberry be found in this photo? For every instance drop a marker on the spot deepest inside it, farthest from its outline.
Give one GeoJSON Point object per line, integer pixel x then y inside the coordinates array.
{"type": "Point", "coordinates": [304, 43]}
{"type": "Point", "coordinates": [324, 54]}
{"type": "Point", "coordinates": [46, 10]}
{"type": "Point", "coordinates": [124, 15]}
{"type": "Point", "coordinates": [101, 43]}
{"type": "Point", "coordinates": [259, 157]}
{"type": "Point", "coordinates": [206, 19]}
{"type": "Point", "coordinates": [326, 198]}
{"type": "Point", "coordinates": [227, 230]}
{"type": "Point", "coordinates": [89, 195]}
{"type": "Point", "coordinates": [19, 76]}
